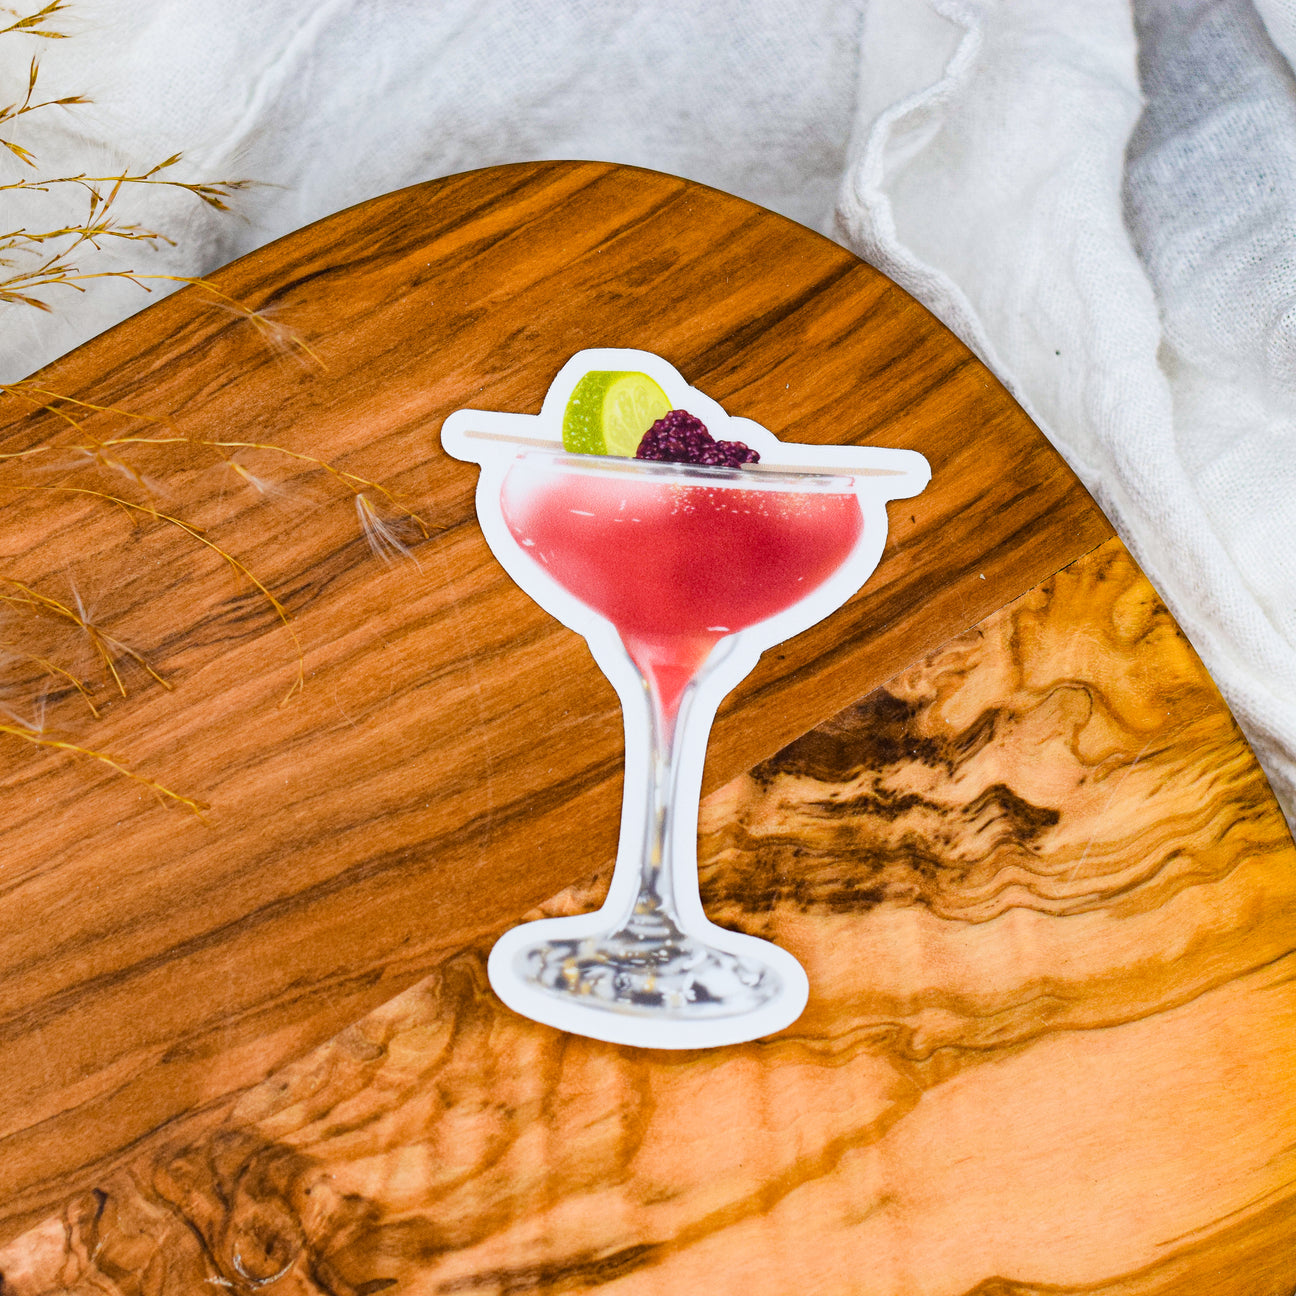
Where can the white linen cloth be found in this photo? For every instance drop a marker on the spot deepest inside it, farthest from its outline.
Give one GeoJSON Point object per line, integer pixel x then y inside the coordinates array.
{"type": "Point", "coordinates": [1128, 267]}
{"type": "Point", "coordinates": [1099, 198]}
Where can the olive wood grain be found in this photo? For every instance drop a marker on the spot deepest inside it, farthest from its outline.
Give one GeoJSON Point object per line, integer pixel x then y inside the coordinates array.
{"type": "Point", "coordinates": [1048, 907]}
{"type": "Point", "coordinates": [452, 757]}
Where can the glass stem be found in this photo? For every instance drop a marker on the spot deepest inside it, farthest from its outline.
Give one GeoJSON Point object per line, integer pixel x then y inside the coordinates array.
{"type": "Point", "coordinates": [654, 919]}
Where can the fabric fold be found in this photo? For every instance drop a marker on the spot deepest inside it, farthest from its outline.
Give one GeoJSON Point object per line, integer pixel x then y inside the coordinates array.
{"type": "Point", "coordinates": [997, 193]}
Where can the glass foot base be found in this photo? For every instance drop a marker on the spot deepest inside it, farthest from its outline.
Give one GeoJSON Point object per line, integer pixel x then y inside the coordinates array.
{"type": "Point", "coordinates": [685, 992]}
{"type": "Point", "coordinates": [621, 974]}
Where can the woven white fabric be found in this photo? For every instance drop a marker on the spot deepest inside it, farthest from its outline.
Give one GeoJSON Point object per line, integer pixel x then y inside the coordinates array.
{"type": "Point", "coordinates": [1279, 18]}
{"type": "Point", "coordinates": [1144, 313]}
{"type": "Point", "coordinates": [1129, 268]}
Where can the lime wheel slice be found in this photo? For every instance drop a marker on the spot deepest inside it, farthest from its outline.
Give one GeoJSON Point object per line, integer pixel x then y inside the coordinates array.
{"type": "Point", "coordinates": [609, 412]}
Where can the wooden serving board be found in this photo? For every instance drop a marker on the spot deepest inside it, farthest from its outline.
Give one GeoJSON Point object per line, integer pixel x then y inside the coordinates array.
{"type": "Point", "coordinates": [995, 806]}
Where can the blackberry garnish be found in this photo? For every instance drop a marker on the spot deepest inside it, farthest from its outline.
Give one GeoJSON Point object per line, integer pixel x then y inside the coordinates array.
{"type": "Point", "coordinates": [680, 437]}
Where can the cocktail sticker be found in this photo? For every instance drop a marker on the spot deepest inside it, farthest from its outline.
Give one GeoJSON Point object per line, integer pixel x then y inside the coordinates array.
{"type": "Point", "coordinates": [681, 543]}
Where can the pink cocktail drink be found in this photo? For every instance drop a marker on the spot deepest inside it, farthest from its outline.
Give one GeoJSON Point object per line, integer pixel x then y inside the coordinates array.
{"type": "Point", "coordinates": [676, 563]}
{"type": "Point", "coordinates": [686, 564]}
